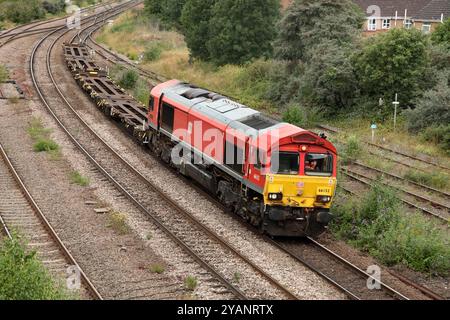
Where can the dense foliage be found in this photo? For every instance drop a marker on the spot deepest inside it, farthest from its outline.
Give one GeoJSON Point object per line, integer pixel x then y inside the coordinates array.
{"type": "Point", "coordinates": [372, 223]}
{"type": "Point", "coordinates": [393, 62]}
{"type": "Point", "coordinates": [226, 31]}
{"type": "Point", "coordinates": [196, 27]}
{"type": "Point", "coordinates": [307, 23]}
{"type": "Point", "coordinates": [442, 34]}
{"type": "Point", "coordinates": [241, 30]}
{"type": "Point", "coordinates": [22, 275]}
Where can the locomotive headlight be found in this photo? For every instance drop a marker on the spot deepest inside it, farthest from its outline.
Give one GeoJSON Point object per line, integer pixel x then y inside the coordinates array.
{"type": "Point", "coordinates": [323, 199]}
{"type": "Point", "coordinates": [276, 196]}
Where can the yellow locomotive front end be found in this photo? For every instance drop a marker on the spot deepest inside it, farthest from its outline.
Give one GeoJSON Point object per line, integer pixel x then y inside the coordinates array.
{"type": "Point", "coordinates": [299, 190]}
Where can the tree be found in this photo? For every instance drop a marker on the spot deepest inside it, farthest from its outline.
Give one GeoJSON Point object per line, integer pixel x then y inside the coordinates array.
{"type": "Point", "coordinates": [169, 11]}
{"type": "Point", "coordinates": [441, 35]}
{"type": "Point", "coordinates": [329, 78]}
{"type": "Point", "coordinates": [241, 30]}
{"type": "Point", "coordinates": [433, 108]}
{"type": "Point", "coordinates": [309, 22]}
{"type": "Point", "coordinates": [22, 11]}
{"type": "Point", "coordinates": [195, 25]}
{"type": "Point", "coordinates": [153, 7]}
{"type": "Point", "coordinates": [393, 62]}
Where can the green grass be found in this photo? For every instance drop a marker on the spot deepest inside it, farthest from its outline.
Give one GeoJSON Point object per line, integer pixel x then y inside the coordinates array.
{"type": "Point", "coordinates": [438, 180]}
{"type": "Point", "coordinates": [118, 222]}
{"type": "Point", "coordinates": [376, 223]}
{"type": "Point", "coordinates": [3, 73]}
{"type": "Point", "coordinates": [45, 145]}
{"type": "Point", "coordinates": [157, 268]}
{"type": "Point", "coordinates": [352, 149]}
{"type": "Point", "coordinates": [77, 178]}
{"type": "Point", "coordinates": [23, 277]}
{"type": "Point", "coordinates": [41, 136]}
{"type": "Point", "coordinates": [191, 283]}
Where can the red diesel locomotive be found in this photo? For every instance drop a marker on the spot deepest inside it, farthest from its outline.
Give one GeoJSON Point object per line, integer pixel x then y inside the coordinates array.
{"type": "Point", "coordinates": [280, 178]}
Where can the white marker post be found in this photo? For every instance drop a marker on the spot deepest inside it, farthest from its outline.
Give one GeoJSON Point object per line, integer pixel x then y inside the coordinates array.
{"type": "Point", "coordinates": [395, 103]}
{"type": "Point", "coordinates": [373, 127]}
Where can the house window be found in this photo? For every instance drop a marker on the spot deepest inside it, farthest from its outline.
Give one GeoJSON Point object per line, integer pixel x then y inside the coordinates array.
{"type": "Point", "coordinates": [372, 24]}
{"type": "Point", "coordinates": [426, 27]}
{"type": "Point", "coordinates": [407, 23]}
{"type": "Point", "coordinates": [386, 23]}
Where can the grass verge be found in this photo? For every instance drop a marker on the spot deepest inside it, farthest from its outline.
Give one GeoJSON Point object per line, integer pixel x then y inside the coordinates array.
{"type": "Point", "coordinates": [433, 179]}
{"type": "Point", "coordinates": [376, 224]}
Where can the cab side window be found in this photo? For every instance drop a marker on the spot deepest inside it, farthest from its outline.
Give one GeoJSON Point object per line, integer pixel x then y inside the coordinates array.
{"type": "Point", "coordinates": [167, 117]}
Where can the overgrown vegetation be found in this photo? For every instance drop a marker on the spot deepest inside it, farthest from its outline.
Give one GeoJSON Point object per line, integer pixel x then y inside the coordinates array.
{"type": "Point", "coordinates": [191, 283]}
{"type": "Point", "coordinates": [77, 178]}
{"type": "Point", "coordinates": [157, 268]}
{"type": "Point", "coordinates": [23, 277]}
{"type": "Point", "coordinates": [352, 149]}
{"type": "Point", "coordinates": [41, 136]}
{"type": "Point", "coordinates": [376, 223]}
{"type": "Point", "coordinates": [437, 180]}
{"type": "Point", "coordinates": [3, 73]}
{"type": "Point", "coordinates": [118, 222]}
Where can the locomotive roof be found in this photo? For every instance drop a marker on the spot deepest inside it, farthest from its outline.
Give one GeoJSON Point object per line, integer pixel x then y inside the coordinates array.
{"type": "Point", "coordinates": [220, 108]}
{"type": "Point", "coordinates": [230, 113]}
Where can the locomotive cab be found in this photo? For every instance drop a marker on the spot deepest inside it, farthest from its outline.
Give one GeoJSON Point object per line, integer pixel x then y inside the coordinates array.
{"type": "Point", "coordinates": [299, 189]}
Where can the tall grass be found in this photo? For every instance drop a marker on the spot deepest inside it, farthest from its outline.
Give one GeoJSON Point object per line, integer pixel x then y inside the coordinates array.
{"type": "Point", "coordinates": [3, 73]}
{"type": "Point", "coordinates": [438, 180]}
{"type": "Point", "coordinates": [376, 224]}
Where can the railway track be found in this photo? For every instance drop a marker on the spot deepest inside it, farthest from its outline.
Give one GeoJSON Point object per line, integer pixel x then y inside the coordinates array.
{"type": "Point", "coordinates": [367, 181]}
{"type": "Point", "coordinates": [29, 29]}
{"type": "Point", "coordinates": [203, 245]}
{"type": "Point", "coordinates": [355, 279]}
{"type": "Point", "coordinates": [389, 150]}
{"type": "Point", "coordinates": [19, 212]}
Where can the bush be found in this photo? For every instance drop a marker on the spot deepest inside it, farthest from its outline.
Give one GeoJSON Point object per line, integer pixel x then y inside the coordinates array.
{"type": "Point", "coordinates": [153, 53]}
{"type": "Point", "coordinates": [23, 277]}
{"type": "Point", "coordinates": [375, 224]}
{"type": "Point", "coordinates": [442, 34]}
{"type": "Point", "coordinates": [439, 135]}
{"type": "Point", "coordinates": [45, 145]}
{"type": "Point", "coordinates": [21, 11]}
{"type": "Point", "coordinates": [352, 149]}
{"type": "Point", "coordinates": [393, 62]}
{"type": "Point", "coordinates": [432, 109]}
{"type": "Point", "coordinates": [304, 117]}
{"type": "Point", "coordinates": [128, 79]}
{"type": "Point", "coordinates": [54, 7]}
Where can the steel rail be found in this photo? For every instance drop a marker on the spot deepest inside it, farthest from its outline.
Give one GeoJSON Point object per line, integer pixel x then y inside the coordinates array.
{"type": "Point", "coordinates": [237, 292]}
{"type": "Point", "coordinates": [404, 154]}
{"type": "Point", "coordinates": [175, 205]}
{"type": "Point", "coordinates": [88, 284]}
{"type": "Point", "coordinates": [410, 204]}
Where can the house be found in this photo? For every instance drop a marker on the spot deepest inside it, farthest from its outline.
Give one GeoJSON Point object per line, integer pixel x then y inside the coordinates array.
{"type": "Point", "coordinates": [383, 15]}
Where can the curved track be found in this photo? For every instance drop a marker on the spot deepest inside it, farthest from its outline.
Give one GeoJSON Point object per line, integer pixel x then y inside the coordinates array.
{"type": "Point", "coordinates": [183, 228]}
{"type": "Point", "coordinates": [351, 280]}
{"type": "Point", "coordinates": [19, 212]}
